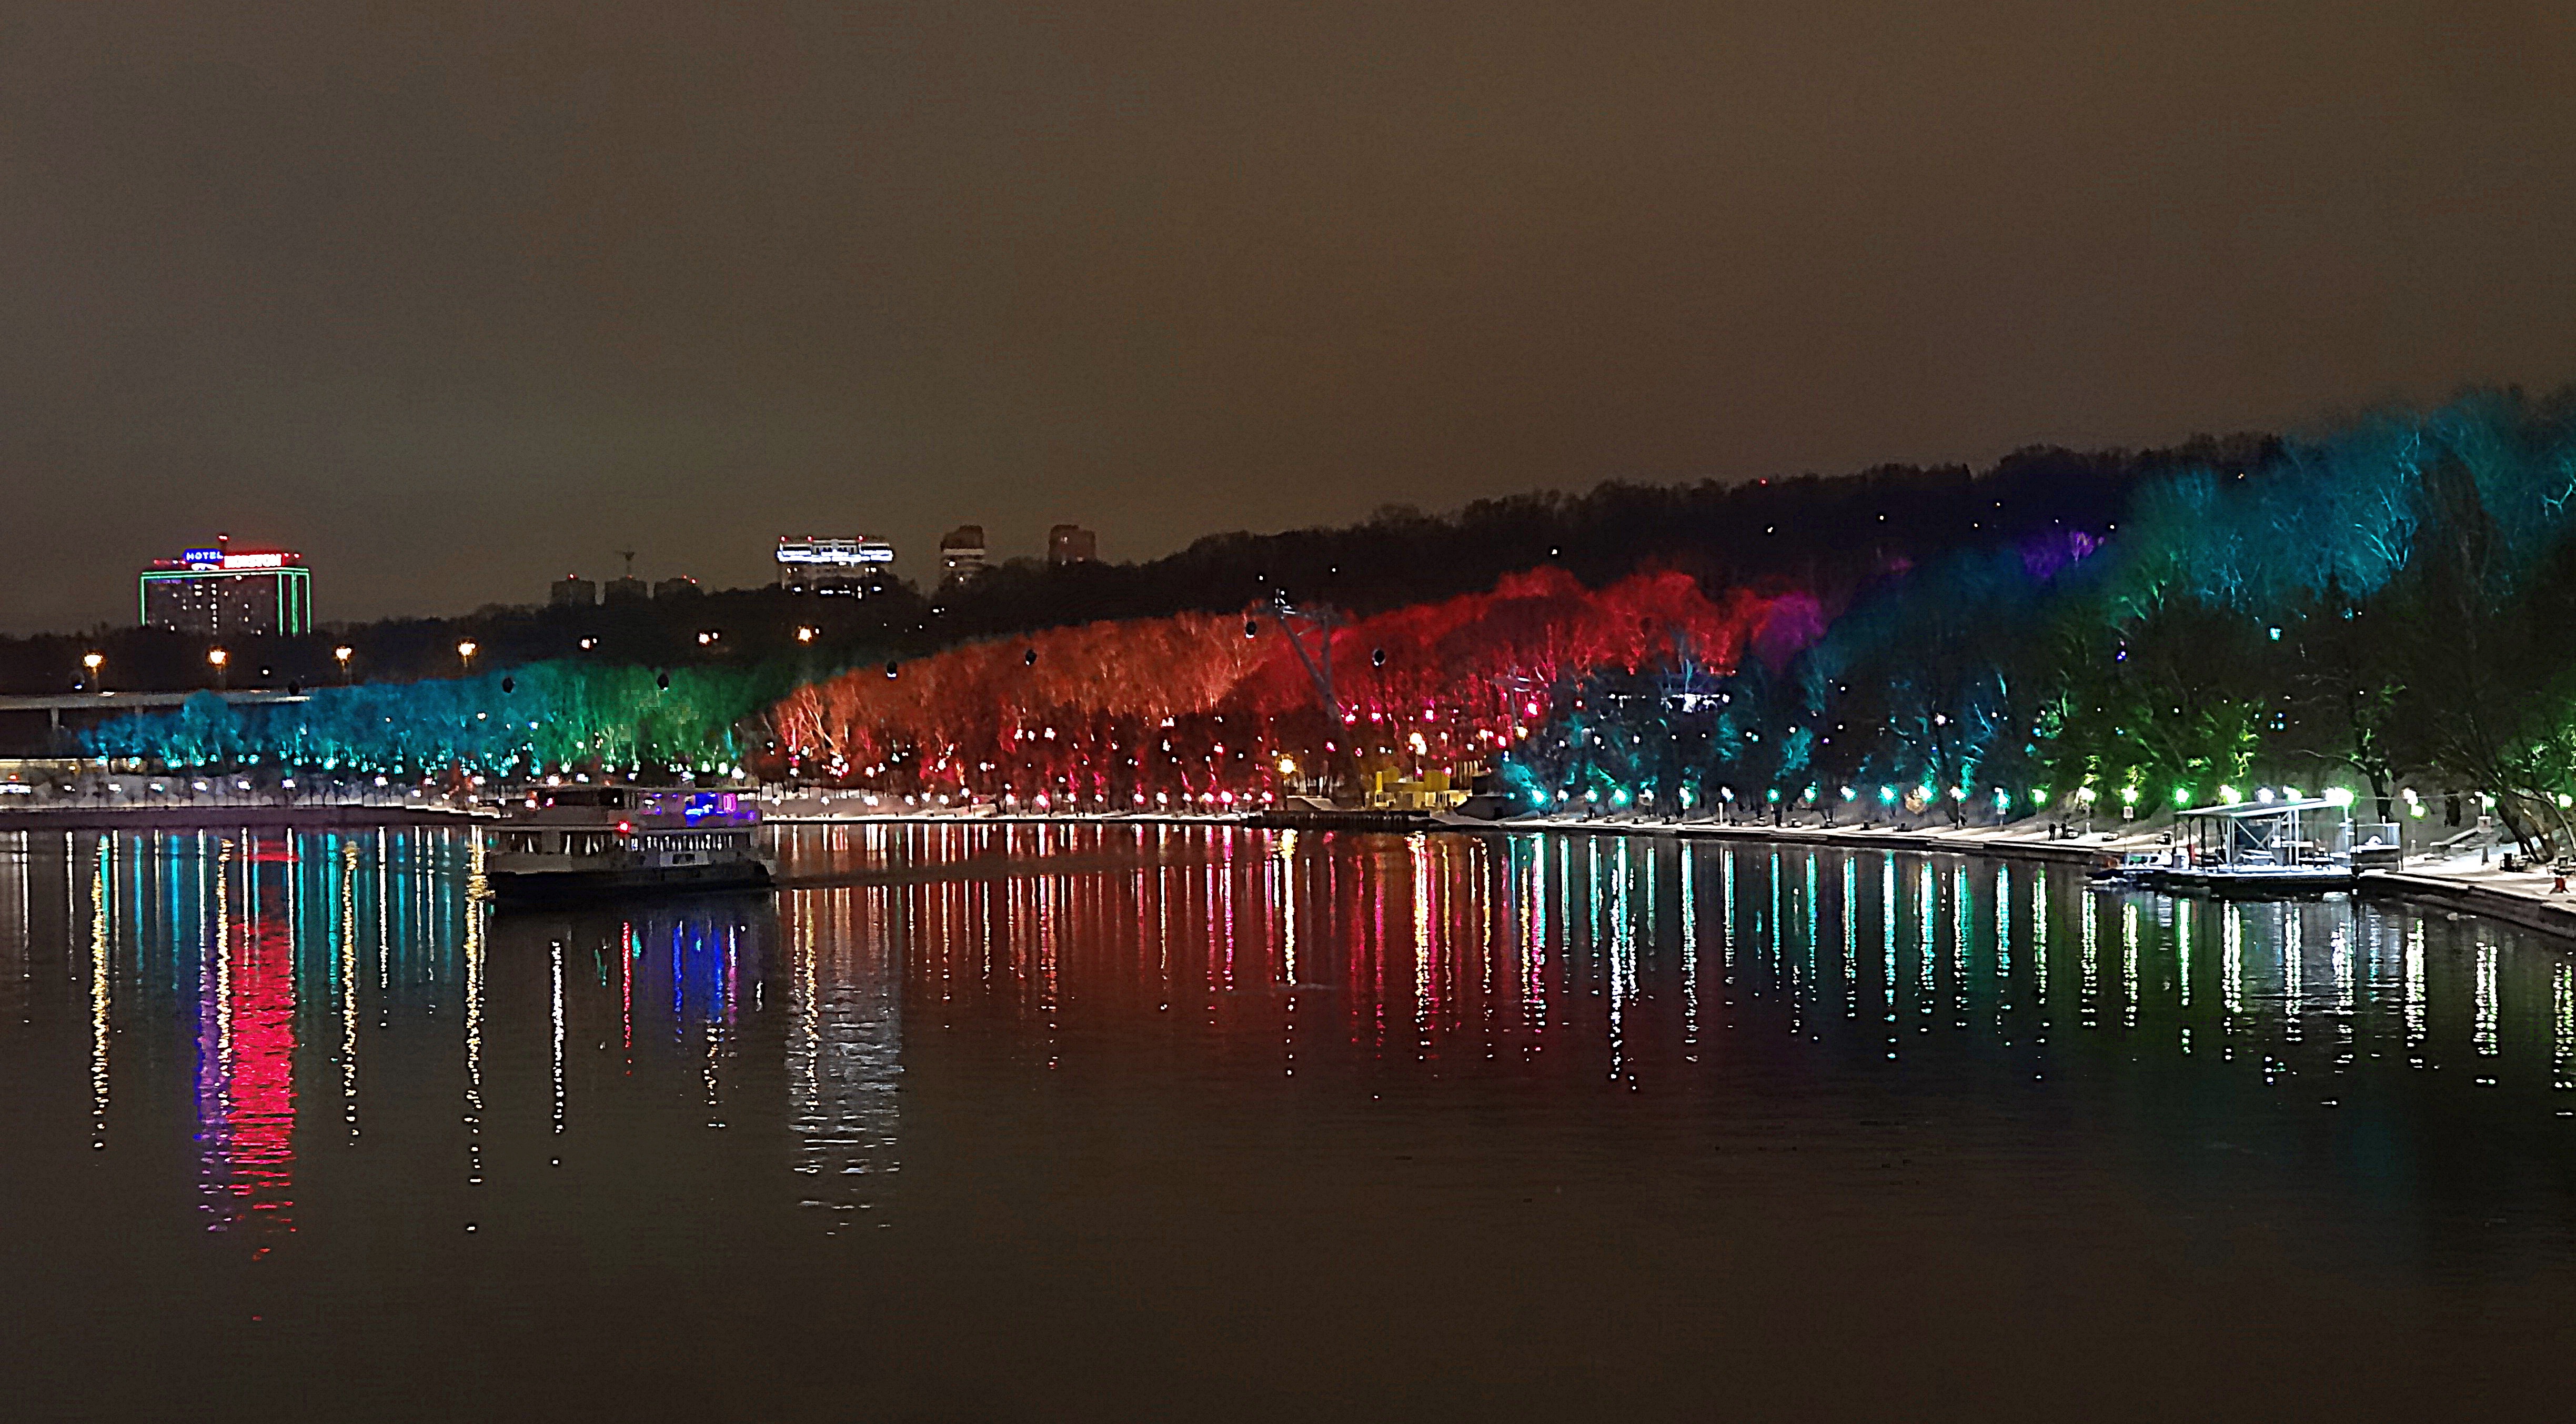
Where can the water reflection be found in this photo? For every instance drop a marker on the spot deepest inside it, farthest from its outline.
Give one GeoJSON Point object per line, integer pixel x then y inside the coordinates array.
{"type": "Point", "coordinates": [351, 993]}
{"type": "Point", "coordinates": [1613, 958]}
{"type": "Point", "coordinates": [318, 990]}
{"type": "Point", "coordinates": [845, 1050]}
{"type": "Point", "coordinates": [245, 1035]}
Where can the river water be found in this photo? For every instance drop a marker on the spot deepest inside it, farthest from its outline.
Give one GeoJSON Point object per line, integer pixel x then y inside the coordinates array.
{"type": "Point", "coordinates": [1037, 1122]}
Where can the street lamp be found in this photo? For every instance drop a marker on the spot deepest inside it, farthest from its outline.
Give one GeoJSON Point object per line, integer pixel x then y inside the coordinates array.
{"type": "Point", "coordinates": [465, 653]}
{"type": "Point", "coordinates": [344, 652]}
{"type": "Point", "coordinates": [93, 661]}
{"type": "Point", "coordinates": [805, 634]}
{"type": "Point", "coordinates": [218, 657]}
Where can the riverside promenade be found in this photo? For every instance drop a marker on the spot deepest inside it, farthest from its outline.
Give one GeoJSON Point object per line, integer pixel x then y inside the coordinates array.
{"type": "Point", "coordinates": [178, 804]}
{"type": "Point", "coordinates": [211, 818]}
{"type": "Point", "coordinates": [2465, 883]}
{"type": "Point", "coordinates": [2460, 884]}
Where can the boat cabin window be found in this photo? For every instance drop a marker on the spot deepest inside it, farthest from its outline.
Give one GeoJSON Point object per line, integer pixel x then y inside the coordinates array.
{"type": "Point", "coordinates": [607, 798]}
{"type": "Point", "coordinates": [545, 841]}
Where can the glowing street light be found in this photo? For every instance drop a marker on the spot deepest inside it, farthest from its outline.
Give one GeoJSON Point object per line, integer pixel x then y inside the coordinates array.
{"type": "Point", "coordinates": [342, 654]}
{"type": "Point", "coordinates": [218, 658]}
{"type": "Point", "coordinates": [465, 652]}
{"type": "Point", "coordinates": [804, 634]}
{"type": "Point", "coordinates": [93, 661]}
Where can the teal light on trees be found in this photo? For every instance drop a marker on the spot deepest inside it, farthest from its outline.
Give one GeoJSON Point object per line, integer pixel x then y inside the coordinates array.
{"type": "Point", "coordinates": [583, 714]}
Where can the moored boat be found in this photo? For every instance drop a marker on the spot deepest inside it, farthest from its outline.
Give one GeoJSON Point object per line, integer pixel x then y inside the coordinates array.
{"type": "Point", "coordinates": [566, 844]}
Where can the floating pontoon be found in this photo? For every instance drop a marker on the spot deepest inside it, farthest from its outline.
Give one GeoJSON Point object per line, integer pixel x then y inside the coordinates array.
{"type": "Point", "coordinates": [2278, 847]}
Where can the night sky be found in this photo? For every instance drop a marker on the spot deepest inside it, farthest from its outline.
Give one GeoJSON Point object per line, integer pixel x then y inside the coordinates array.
{"type": "Point", "coordinates": [457, 298]}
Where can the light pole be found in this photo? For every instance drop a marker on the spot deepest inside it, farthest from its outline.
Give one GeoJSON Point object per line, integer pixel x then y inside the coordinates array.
{"type": "Point", "coordinates": [93, 661]}
{"type": "Point", "coordinates": [343, 653]}
{"type": "Point", "coordinates": [219, 658]}
{"type": "Point", "coordinates": [465, 654]}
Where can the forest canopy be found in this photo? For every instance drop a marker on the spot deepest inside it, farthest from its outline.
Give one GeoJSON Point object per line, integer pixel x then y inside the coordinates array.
{"type": "Point", "coordinates": [2381, 605]}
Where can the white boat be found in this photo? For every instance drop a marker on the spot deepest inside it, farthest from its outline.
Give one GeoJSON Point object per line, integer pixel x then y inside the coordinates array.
{"type": "Point", "coordinates": [564, 844]}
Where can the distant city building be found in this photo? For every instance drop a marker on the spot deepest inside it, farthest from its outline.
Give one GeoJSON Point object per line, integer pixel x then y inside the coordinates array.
{"type": "Point", "coordinates": [1072, 544]}
{"type": "Point", "coordinates": [681, 587]}
{"type": "Point", "coordinates": [848, 567]}
{"type": "Point", "coordinates": [961, 553]}
{"type": "Point", "coordinates": [573, 591]}
{"type": "Point", "coordinates": [224, 591]}
{"type": "Point", "coordinates": [626, 587]}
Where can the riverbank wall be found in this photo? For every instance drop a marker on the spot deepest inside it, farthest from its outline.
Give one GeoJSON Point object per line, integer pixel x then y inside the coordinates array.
{"type": "Point", "coordinates": [2515, 906]}
{"type": "Point", "coordinates": [2463, 886]}
{"type": "Point", "coordinates": [229, 818]}
{"type": "Point", "coordinates": [2526, 899]}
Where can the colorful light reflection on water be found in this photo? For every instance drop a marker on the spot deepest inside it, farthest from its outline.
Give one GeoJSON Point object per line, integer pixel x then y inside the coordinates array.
{"type": "Point", "coordinates": [953, 1059]}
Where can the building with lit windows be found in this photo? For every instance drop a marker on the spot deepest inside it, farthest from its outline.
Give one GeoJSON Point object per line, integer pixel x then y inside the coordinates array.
{"type": "Point", "coordinates": [1071, 544]}
{"type": "Point", "coordinates": [849, 567]}
{"type": "Point", "coordinates": [961, 553]}
{"type": "Point", "coordinates": [225, 592]}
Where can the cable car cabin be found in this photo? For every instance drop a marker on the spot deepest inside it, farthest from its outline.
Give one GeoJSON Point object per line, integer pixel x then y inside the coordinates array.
{"type": "Point", "coordinates": [584, 842]}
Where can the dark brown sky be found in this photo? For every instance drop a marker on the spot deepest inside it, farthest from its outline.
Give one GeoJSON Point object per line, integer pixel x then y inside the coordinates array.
{"type": "Point", "coordinates": [458, 297]}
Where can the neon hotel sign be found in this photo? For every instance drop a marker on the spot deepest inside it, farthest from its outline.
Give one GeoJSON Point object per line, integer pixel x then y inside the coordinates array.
{"type": "Point", "coordinates": [218, 559]}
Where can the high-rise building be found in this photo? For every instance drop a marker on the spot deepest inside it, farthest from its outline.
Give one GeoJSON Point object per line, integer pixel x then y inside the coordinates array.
{"type": "Point", "coordinates": [848, 567]}
{"type": "Point", "coordinates": [573, 591]}
{"type": "Point", "coordinates": [626, 587]}
{"type": "Point", "coordinates": [961, 553]}
{"type": "Point", "coordinates": [681, 587]}
{"type": "Point", "coordinates": [226, 591]}
{"type": "Point", "coordinates": [1071, 544]}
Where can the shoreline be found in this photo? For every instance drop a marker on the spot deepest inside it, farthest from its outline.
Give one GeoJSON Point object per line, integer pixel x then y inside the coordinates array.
{"type": "Point", "coordinates": [333, 816]}
{"type": "Point", "coordinates": [2460, 885]}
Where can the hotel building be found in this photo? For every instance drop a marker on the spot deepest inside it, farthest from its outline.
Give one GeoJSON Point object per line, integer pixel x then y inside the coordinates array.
{"type": "Point", "coordinates": [227, 592]}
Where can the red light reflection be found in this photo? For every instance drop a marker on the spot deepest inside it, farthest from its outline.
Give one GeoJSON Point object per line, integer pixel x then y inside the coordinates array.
{"type": "Point", "coordinates": [246, 1055]}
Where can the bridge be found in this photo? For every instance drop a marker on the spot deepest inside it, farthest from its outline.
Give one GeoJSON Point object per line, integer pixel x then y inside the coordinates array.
{"type": "Point", "coordinates": [18, 728]}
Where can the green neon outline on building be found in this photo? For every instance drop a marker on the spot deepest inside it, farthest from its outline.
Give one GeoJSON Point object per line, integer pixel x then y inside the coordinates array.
{"type": "Point", "coordinates": [294, 592]}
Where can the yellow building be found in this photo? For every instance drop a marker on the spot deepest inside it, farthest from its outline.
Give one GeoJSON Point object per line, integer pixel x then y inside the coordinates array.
{"type": "Point", "coordinates": [1431, 791]}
